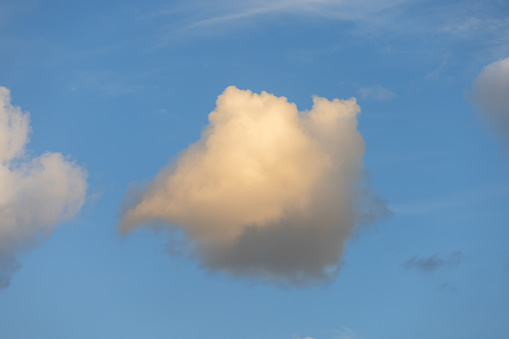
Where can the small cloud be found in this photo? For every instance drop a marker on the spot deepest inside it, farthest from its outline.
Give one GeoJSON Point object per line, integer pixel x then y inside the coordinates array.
{"type": "Point", "coordinates": [376, 92]}
{"type": "Point", "coordinates": [434, 262]}
{"type": "Point", "coordinates": [268, 192]}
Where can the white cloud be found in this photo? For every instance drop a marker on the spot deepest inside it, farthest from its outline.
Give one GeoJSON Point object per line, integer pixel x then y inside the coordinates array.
{"type": "Point", "coordinates": [35, 194]}
{"type": "Point", "coordinates": [491, 94]}
{"type": "Point", "coordinates": [268, 191]}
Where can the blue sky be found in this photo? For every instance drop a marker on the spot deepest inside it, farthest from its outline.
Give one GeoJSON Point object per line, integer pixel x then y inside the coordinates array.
{"type": "Point", "coordinates": [122, 88]}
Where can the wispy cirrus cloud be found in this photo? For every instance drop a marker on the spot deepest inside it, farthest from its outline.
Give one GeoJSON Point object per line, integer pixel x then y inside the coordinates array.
{"type": "Point", "coordinates": [402, 25]}
{"type": "Point", "coordinates": [457, 19]}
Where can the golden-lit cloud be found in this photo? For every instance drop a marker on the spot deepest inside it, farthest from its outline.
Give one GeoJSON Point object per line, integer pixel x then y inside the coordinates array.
{"type": "Point", "coordinates": [36, 194]}
{"type": "Point", "coordinates": [268, 191]}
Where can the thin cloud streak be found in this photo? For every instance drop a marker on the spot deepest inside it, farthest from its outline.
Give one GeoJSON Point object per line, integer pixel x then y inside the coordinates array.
{"type": "Point", "coordinates": [223, 13]}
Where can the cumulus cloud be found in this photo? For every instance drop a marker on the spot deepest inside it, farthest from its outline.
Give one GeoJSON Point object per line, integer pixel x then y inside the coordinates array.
{"type": "Point", "coordinates": [268, 191]}
{"type": "Point", "coordinates": [434, 262]}
{"type": "Point", "coordinates": [491, 94]}
{"type": "Point", "coordinates": [226, 11]}
{"type": "Point", "coordinates": [36, 194]}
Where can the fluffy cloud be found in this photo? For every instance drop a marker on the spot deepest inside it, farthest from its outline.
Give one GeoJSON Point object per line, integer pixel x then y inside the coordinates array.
{"type": "Point", "coordinates": [35, 194]}
{"type": "Point", "coordinates": [491, 94]}
{"type": "Point", "coordinates": [268, 191]}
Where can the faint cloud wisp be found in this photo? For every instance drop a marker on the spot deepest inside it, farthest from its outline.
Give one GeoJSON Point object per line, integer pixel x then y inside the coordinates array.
{"type": "Point", "coordinates": [376, 92]}
{"type": "Point", "coordinates": [228, 11]}
{"type": "Point", "coordinates": [491, 95]}
{"type": "Point", "coordinates": [434, 262]}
